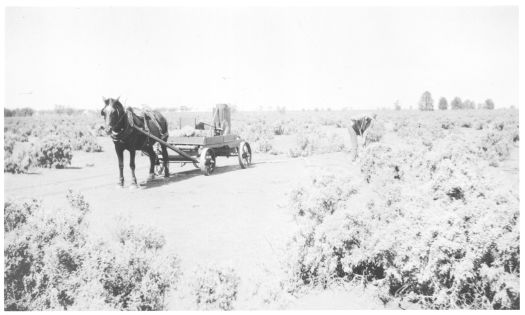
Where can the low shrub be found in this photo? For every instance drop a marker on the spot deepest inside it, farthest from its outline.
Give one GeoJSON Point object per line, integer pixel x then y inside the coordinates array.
{"type": "Point", "coordinates": [10, 141]}
{"type": "Point", "coordinates": [17, 214]}
{"type": "Point", "coordinates": [278, 129]}
{"type": "Point", "coordinates": [53, 152]}
{"type": "Point", "coordinates": [263, 146]}
{"type": "Point", "coordinates": [86, 143]}
{"type": "Point", "coordinates": [21, 160]}
{"type": "Point", "coordinates": [317, 142]}
{"type": "Point", "coordinates": [215, 288]}
{"type": "Point", "coordinates": [495, 147]}
{"type": "Point", "coordinates": [375, 132]}
{"type": "Point", "coordinates": [447, 124]}
{"type": "Point", "coordinates": [53, 262]}
{"type": "Point", "coordinates": [423, 224]}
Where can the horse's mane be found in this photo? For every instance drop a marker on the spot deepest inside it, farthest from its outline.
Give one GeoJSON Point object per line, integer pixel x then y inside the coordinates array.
{"type": "Point", "coordinates": [119, 105]}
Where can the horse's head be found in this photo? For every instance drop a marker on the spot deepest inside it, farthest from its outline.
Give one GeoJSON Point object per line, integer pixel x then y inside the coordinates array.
{"type": "Point", "coordinates": [112, 113]}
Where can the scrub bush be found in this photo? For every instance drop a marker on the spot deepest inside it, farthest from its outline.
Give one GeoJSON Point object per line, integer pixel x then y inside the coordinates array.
{"type": "Point", "coordinates": [52, 262]}
{"type": "Point", "coordinates": [375, 132]}
{"type": "Point", "coordinates": [215, 288]}
{"type": "Point", "coordinates": [423, 223]}
{"type": "Point", "coordinates": [53, 152]}
{"type": "Point", "coordinates": [19, 161]}
{"type": "Point", "coordinates": [317, 142]}
{"type": "Point", "coordinates": [87, 143]}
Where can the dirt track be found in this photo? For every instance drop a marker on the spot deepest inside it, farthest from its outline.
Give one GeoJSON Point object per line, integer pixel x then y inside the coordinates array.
{"type": "Point", "coordinates": [236, 216]}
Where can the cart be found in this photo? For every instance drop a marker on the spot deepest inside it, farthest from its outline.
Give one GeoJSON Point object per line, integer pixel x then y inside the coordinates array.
{"type": "Point", "coordinates": [202, 151]}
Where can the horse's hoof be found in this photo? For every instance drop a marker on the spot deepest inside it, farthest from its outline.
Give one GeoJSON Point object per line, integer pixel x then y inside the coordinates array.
{"type": "Point", "coordinates": [133, 186]}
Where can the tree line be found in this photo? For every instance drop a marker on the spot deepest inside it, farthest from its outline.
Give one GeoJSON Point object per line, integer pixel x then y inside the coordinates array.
{"type": "Point", "coordinates": [426, 103]}
{"type": "Point", "coordinates": [26, 111]}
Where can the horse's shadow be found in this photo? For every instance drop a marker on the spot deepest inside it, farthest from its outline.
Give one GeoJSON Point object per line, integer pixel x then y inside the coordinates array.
{"type": "Point", "coordinates": [185, 175]}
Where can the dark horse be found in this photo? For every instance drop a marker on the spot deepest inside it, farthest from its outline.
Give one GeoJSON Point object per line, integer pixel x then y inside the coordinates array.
{"type": "Point", "coordinates": [118, 123]}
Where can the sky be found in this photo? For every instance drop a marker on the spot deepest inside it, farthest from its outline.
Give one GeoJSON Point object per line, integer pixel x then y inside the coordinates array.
{"type": "Point", "coordinates": [259, 57]}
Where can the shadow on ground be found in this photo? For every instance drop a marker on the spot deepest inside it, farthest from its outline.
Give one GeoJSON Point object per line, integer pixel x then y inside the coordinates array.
{"type": "Point", "coordinates": [181, 176]}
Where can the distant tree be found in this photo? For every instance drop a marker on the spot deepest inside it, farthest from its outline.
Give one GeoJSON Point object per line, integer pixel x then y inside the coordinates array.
{"type": "Point", "coordinates": [489, 104]}
{"type": "Point", "coordinates": [20, 112]}
{"type": "Point", "coordinates": [396, 105]}
{"type": "Point", "coordinates": [8, 112]}
{"type": "Point", "coordinates": [426, 102]}
{"type": "Point", "coordinates": [456, 103]}
{"type": "Point", "coordinates": [468, 104]}
{"type": "Point", "coordinates": [443, 104]}
{"type": "Point", "coordinates": [66, 110]}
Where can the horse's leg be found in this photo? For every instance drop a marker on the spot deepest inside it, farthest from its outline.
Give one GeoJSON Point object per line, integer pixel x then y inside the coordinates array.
{"type": "Point", "coordinates": [165, 162]}
{"type": "Point", "coordinates": [120, 155]}
{"type": "Point", "coordinates": [152, 157]}
{"type": "Point", "coordinates": [132, 166]}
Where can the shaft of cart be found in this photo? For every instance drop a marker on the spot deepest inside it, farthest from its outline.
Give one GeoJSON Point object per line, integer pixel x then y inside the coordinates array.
{"type": "Point", "coordinates": [164, 143]}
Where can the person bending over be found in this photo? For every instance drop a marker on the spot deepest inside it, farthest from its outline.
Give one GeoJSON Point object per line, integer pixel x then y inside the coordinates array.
{"type": "Point", "coordinates": [359, 126]}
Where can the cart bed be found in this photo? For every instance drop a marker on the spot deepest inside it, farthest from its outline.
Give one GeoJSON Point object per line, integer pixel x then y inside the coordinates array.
{"type": "Point", "coordinates": [204, 141]}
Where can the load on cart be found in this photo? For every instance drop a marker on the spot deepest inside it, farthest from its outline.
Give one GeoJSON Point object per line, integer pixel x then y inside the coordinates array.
{"type": "Point", "coordinates": [202, 151]}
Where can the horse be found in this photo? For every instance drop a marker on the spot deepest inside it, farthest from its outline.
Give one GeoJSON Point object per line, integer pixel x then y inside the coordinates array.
{"type": "Point", "coordinates": [118, 123]}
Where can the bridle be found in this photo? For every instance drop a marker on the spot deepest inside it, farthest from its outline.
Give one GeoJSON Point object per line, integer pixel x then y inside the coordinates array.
{"type": "Point", "coordinates": [121, 117]}
{"type": "Point", "coordinates": [119, 132]}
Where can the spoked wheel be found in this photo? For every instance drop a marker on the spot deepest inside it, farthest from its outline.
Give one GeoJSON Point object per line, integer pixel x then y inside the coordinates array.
{"type": "Point", "coordinates": [207, 161]}
{"type": "Point", "coordinates": [159, 169]}
{"type": "Point", "coordinates": [245, 154]}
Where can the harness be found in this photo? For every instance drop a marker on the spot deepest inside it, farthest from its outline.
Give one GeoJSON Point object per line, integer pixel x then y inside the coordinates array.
{"type": "Point", "coordinates": [127, 130]}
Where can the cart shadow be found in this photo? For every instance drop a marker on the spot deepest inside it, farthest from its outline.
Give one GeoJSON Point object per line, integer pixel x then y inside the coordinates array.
{"type": "Point", "coordinates": [185, 175]}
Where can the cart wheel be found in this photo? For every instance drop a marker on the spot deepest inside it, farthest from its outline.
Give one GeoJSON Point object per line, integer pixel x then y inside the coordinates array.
{"type": "Point", "coordinates": [159, 169]}
{"type": "Point", "coordinates": [245, 154]}
{"type": "Point", "coordinates": [207, 161]}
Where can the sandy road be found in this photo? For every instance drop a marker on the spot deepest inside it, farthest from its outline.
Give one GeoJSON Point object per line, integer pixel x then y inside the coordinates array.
{"type": "Point", "coordinates": [236, 216]}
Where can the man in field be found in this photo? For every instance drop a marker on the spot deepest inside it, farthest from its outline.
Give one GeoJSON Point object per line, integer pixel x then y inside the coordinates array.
{"type": "Point", "coordinates": [358, 127]}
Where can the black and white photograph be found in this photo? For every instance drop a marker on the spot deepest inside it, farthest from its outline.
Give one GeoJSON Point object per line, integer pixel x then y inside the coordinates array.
{"type": "Point", "coordinates": [247, 156]}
